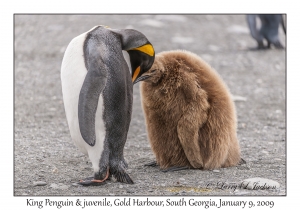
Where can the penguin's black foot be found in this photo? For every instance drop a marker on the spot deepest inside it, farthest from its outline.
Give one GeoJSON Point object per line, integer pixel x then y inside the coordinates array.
{"type": "Point", "coordinates": [91, 181]}
{"type": "Point", "coordinates": [279, 47]}
{"type": "Point", "coordinates": [152, 164]}
{"type": "Point", "coordinates": [123, 177]}
{"type": "Point", "coordinates": [175, 168]}
{"type": "Point", "coordinates": [258, 48]}
{"type": "Point", "coordinates": [276, 44]}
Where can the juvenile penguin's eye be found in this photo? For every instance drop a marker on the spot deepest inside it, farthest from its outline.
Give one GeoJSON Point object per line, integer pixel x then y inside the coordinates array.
{"type": "Point", "coordinates": [153, 70]}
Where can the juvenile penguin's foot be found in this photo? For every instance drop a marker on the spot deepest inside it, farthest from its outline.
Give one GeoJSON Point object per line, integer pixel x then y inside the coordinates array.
{"type": "Point", "coordinates": [175, 168]}
{"type": "Point", "coordinates": [91, 181]}
{"type": "Point", "coordinates": [152, 164]}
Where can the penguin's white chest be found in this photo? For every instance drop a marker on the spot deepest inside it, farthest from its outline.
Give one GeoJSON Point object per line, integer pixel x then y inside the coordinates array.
{"type": "Point", "coordinates": [73, 72]}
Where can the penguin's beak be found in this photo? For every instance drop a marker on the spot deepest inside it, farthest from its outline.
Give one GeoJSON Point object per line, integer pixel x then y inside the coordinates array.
{"type": "Point", "coordinates": [141, 78]}
{"type": "Point", "coordinates": [135, 74]}
{"type": "Point", "coordinates": [136, 79]}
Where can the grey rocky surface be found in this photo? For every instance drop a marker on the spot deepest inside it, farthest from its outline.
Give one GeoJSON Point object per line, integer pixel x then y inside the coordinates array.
{"type": "Point", "coordinates": [46, 162]}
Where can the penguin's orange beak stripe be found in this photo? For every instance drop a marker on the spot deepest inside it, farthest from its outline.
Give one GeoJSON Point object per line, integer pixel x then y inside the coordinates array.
{"type": "Point", "coordinates": [136, 73]}
{"type": "Point", "coordinates": [147, 48]}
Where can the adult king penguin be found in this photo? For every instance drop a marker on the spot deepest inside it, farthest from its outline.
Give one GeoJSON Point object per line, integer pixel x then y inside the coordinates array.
{"type": "Point", "coordinates": [97, 91]}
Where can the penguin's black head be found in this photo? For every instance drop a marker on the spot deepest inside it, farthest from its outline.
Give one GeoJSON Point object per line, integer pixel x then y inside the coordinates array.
{"type": "Point", "coordinates": [141, 59]}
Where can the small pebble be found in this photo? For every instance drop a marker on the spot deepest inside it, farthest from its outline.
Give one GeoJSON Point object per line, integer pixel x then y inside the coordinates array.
{"type": "Point", "coordinates": [129, 191]}
{"type": "Point", "coordinates": [39, 183]}
{"type": "Point", "coordinates": [53, 185]}
{"type": "Point", "coordinates": [217, 171]}
{"type": "Point", "coordinates": [238, 29]}
{"type": "Point", "coordinates": [121, 186]}
{"type": "Point", "coordinates": [214, 48]}
{"type": "Point", "coordinates": [277, 66]}
{"type": "Point", "coordinates": [181, 179]}
{"type": "Point", "coordinates": [59, 186]}
{"type": "Point", "coordinates": [238, 98]}
{"type": "Point", "coordinates": [259, 81]}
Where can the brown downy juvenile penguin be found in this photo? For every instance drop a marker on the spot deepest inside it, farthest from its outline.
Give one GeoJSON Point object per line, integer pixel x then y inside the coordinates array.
{"type": "Point", "coordinates": [190, 115]}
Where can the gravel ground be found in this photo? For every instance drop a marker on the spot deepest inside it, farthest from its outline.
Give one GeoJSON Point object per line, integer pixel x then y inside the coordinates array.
{"type": "Point", "coordinates": [46, 162]}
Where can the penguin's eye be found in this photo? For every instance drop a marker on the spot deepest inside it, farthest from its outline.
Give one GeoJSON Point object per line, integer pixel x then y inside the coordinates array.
{"type": "Point", "coordinates": [153, 70]}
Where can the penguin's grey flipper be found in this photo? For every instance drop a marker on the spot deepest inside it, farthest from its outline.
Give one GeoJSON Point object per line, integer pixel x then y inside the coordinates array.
{"type": "Point", "coordinates": [175, 168]}
{"type": "Point", "coordinates": [92, 87]}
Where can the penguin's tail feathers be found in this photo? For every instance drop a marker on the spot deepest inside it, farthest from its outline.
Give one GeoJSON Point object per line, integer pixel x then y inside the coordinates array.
{"type": "Point", "coordinates": [123, 177]}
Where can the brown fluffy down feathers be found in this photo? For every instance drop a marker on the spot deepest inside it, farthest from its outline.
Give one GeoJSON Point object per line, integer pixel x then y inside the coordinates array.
{"type": "Point", "coordinates": [190, 115]}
